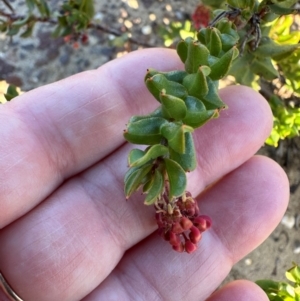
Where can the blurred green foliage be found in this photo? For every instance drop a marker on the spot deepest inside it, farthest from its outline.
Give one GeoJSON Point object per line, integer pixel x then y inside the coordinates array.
{"type": "Point", "coordinates": [283, 291]}
{"type": "Point", "coordinates": [11, 92]}
{"type": "Point", "coordinates": [176, 31]}
{"type": "Point", "coordinates": [71, 18]}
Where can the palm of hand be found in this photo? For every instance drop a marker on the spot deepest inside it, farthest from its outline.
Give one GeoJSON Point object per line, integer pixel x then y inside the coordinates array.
{"type": "Point", "coordinates": [67, 232]}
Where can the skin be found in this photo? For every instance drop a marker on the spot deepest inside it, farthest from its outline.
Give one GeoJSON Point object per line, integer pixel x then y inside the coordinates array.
{"type": "Point", "coordinates": [67, 232]}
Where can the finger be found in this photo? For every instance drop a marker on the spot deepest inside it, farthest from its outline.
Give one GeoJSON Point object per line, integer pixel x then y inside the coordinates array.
{"type": "Point", "coordinates": [240, 290]}
{"type": "Point", "coordinates": [245, 206]}
{"type": "Point", "coordinates": [225, 143]}
{"type": "Point", "coordinates": [86, 225]}
{"type": "Point", "coordinates": [58, 130]}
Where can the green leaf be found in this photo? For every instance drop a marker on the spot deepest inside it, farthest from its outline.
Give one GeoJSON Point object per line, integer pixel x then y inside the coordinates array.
{"type": "Point", "coordinates": [3, 27]}
{"type": "Point", "coordinates": [188, 160]}
{"type": "Point", "coordinates": [43, 8]}
{"type": "Point", "coordinates": [268, 285]}
{"type": "Point", "coordinates": [279, 10]}
{"type": "Point", "coordinates": [184, 34]}
{"type": "Point", "coordinates": [11, 92]}
{"type": "Point", "coordinates": [148, 185]}
{"type": "Point", "coordinates": [213, 3]}
{"type": "Point", "coordinates": [174, 76]}
{"type": "Point", "coordinates": [196, 115]}
{"type": "Point", "coordinates": [215, 43]}
{"type": "Point", "coordinates": [87, 6]}
{"type": "Point", "coordinates": [28, 32]}
{"type": "Point", "coordinates": [156, 188]}
{"type": "Point", "coordinates": [158, 83]}
{"type": "Point", "coordinates": [201, 35]}
{"type": "Point", "coordinates": [196, 57]}
{"type": "Point", "coordinates": [172, 107]}
{"type": "Point", "coordinates": [30, 4]}
{"type": "Point", "coordinates": [174, 133]}
{"type": "Point", "coordinates": [268, 48]}
{"type": "Point", "coordinates": [264, 67]}
{"type": "Point", "coordinates": [196, 83]}
{"type": "Point", "coordinates": [138, 158]}
{"type": "Point", "coordinates": [134, 155]}
{"type": "Point", "coordinates": [227, 27]}
{"type": "Point", "coordinates": [220, 68]}
{"type": "Point", "coordinates": [240, 69]}
{"type": "Point", "coordinates": [21, 22]}
{"type": "Point", "coordinates": [145, 131]}
{"type": "Point", "coordinates": [228, 41]}
{"type": "Point", "coordinates": [134, 179]}
{"type": "Point", "coordinates": [285, 3]}
{"type": "Point", "coordinates": [13, 30]}
{"type": "Point", "coordinates": [293, 274]}
{"type": "Point", "coordinates": [156, 113]}
{"type": "Point", "coordinates": [129, 172]}
{"type": "Point", "coordinates": [212, 100]}
{"type": "Point", "coordinates": [177, 178]}
{"type": "Point", "coordinates": [182, 50]}
{"type": "Point", "coordinates": [244, 4]}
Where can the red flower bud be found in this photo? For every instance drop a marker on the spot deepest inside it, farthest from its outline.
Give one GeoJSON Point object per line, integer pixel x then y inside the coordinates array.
{"type": "Point", "coordinates": [202, 222]}
{"type": "Point", "coordinates": [190, 208]}
{"type": "Point", "coordinates": [190, 247]}
{"type": "Point", "coordinates": [195, 235]}
{"type": "Point", "coordinates": [179, 248]}
{"type": "Point", "coordinates": [186, 223]}
{"type": "Point", "coordinates": [174, 239]}
{"type": "Point", "coordinates": [177, 228]}
{"type": "Point", "coordinates": [166, 235]}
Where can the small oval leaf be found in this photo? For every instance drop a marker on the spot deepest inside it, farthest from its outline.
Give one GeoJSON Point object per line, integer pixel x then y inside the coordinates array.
{"type": "Point", "coordinates": [222, 66]}
{"type": "Point", "coordinates": [172, 107]}
{"type": "Point", "coordinates": [196, 115]}
{"type": "Point", "coordinates": [215, 45]}
{"type": "Point", "coordinates": [177, 178]}
{"type": "Point", "coordinates": [174, 133]}
{"type": "Point", "coordinates": [182, 50]}
{"type": "Point", "coordinates": [153, 152]}
{"type": "Point", "coordinates": [159, 83]}
{"type": "Point", "coordinates": [134, 179]}
{"type": "Point", "coordinates": [188, 160]}
{"type": "Point", "coordinates": [145, 131]}
{"type": "Point", "coordinates": [156, 188]}
{"type": "Point", "coordinates": [197, 56]}
{"type": "Point", "coordinates": [196, 83]}
{"type": "Point", "coordinates": [134, 155]}
{"type": "Point", "coordinates": [268, 48]}
{"type": "Point", "coordinates": [212, 100]}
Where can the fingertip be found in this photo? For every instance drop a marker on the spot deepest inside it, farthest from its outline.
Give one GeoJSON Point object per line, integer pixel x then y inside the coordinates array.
{"type": "Point", "coordinates": [257, 193]}
{"type": "Point", "coordinates": [239, 290]}
{"type": "Point", "coordinates": [277, 186]}
{"type": "Point", "coordinates": [244, 99]}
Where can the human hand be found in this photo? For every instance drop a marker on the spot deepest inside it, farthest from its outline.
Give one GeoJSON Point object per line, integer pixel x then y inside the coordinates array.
{"type": "Point", "coordinates": [67, 232]}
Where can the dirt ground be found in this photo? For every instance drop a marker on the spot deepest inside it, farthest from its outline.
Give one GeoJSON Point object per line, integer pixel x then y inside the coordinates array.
{"type": "Point", "coordinates": [39, 60]}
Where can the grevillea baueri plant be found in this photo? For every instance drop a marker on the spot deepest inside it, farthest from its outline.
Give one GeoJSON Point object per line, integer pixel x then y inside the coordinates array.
{"type": "Point", "coordinates": [269, 44]}
{"type": "Point", "coordinates": [188, 99]}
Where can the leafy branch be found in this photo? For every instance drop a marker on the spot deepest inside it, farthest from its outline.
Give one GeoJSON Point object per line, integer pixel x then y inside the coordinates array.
{"type": "Point", "coordinates": [72, 20]}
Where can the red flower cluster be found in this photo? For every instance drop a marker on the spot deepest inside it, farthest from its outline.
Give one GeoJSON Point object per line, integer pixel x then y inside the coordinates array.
{"type": "Point", "coordinates": [180, 223]}
{"type": "Point", "coordinates": [201, 16]}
